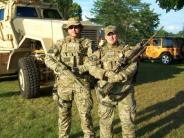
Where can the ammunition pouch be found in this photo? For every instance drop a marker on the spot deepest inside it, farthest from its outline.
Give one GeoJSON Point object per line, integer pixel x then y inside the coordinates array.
{"type": "Point", "coordinates": [107, 104]}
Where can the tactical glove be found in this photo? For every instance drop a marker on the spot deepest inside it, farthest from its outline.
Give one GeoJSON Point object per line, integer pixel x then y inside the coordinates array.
{"type": "Point", "coordinates": [115, 78]}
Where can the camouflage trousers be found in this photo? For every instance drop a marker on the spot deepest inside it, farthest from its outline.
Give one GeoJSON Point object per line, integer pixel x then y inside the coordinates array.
{"type": "Point", "coordinates": [127, 111]}
{"type": "Point", "coordinates": [83, 100]}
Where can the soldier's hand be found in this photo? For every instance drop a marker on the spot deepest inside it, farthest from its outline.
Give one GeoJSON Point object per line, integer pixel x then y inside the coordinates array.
{"type": "Point", "coordinates": [84, 68]}
{"type": "Point", "coordinates": [109, 74]}
{"type": "Point", "coordinates": [60, 69]}
{"type": "Point", "coordinates": [115, 78]}
{"type": "Point", "coordinates": [81, 69]}
{"type": "Point", "coordinates": [101, 43]}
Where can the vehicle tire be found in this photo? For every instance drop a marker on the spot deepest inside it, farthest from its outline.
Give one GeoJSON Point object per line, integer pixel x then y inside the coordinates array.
{"type": "Point", "coordinates": [166, 58]}
{"type": "Point", "coordinates": [28, 77]}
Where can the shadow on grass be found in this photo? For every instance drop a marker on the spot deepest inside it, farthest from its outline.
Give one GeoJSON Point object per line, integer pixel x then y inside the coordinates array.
{"type": "Point", "coordinates": [151, 72]}
{"type": "Point", "coordinates": [97, 128]}
{"type": "Point", "coordinates": [9, 94]}
{"type": "Point", "coordinates": [166, 124]}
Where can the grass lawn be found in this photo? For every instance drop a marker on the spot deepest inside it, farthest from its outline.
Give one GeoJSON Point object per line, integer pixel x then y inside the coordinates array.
{"type": "Point", "coordinates": [160, 107]}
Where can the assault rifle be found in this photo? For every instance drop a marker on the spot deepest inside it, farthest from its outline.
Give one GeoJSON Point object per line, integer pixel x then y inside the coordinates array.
{"type": "Point", "coordinates": [126, 60]}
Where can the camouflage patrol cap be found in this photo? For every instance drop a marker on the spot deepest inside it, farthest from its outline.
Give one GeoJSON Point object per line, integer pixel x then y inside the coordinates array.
{"type": "Point", "coordinates": [109, 29]}
{"type": "Point", "coordinates": [72, 21]}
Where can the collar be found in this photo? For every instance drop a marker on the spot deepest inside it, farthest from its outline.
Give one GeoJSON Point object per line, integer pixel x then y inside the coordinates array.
{"type": "Point", "coordinates": [69, 39]}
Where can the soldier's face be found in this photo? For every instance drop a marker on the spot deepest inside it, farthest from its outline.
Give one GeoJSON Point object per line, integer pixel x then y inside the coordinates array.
{"type": "Point", "coordinates": [74, 30]}
{"type": "Point", "coordinates": [111, 38]}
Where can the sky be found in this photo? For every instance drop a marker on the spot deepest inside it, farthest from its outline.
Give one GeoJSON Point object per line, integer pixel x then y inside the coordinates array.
{"type": "Point", "coordinates": [172, 21]}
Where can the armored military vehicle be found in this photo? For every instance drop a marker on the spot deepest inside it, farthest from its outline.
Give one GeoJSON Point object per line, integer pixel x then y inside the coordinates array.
{"type": "Point", "coordinates": [28, 28]}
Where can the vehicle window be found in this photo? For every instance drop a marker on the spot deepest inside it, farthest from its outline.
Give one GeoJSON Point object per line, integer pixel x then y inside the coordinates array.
{"type": "Point", "coordinates": [26, 12]}
{"type": "Point", "coordinates": [167, 42]}
{"type": "Point", "coordinates": [156, 42]}
{"type": "Point", "coordinates": [51, 13]}
{"type": "Point", "coordinates": [1, 14]}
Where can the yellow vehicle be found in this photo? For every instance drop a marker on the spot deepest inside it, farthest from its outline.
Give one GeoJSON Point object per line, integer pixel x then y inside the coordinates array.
{"type": "Point", "coordinates": [165, 49]}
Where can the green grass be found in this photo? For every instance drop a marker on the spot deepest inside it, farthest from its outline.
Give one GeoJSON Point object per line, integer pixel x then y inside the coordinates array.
{"type": "Point", "coordinates": [160, 107]}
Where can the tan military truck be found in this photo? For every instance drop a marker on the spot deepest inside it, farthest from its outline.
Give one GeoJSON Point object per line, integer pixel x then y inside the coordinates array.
{"type": "Point", "coordinates": [28, 28]}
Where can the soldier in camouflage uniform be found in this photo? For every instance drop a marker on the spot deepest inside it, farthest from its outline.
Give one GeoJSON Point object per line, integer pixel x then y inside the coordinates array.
{"type": "Point", "coordinates": [122, 93]}
{"type": "Point", "coordinates": [68, 54]}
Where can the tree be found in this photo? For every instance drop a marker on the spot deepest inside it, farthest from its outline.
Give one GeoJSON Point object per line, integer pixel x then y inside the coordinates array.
{"type": "Point", "coordinates": [134, 19]}
{"type": "Point", "coordinates": [171, 4]}
{"type": "Point", "coordinates": [68, 8]}
{"type": "Point", "coordinates": [164, 33]}
{"type": "Point", "coordinates": [181, 33]}
{"type": "Point", "coordinates": [75, 11]}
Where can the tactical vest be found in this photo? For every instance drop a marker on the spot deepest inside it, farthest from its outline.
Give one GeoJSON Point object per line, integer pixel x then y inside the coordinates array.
{"type": "Point", "coordinates": [73, 53]}
{"type": "Point", "coordinates": [110, 57]}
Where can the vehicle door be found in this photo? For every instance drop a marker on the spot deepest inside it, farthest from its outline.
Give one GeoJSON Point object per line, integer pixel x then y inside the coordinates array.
{"type": "Point", "coordinates": [153, 50]}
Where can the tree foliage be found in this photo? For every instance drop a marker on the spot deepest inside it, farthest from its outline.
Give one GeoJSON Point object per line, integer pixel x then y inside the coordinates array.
{"type": "Point", "coordinates": [134, 19]}
{"type": "Point", "coordinates": [171, 4]}
{"type": "Point", "coordinates": [180, 33]}
{"type": "Point", "coordinates": [75, 11]}
{"type": "Point", "coordinates": [164, 33]}
{"type": "Point", "coordinates": [68, 8]}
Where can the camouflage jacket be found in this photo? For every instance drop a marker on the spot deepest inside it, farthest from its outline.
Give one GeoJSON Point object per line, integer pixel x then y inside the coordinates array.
{"type": "Point", "coordinates": [105, 60]}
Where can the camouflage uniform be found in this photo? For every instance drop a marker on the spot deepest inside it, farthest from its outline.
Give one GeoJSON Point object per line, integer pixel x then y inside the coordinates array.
{"type": "Point", "coordinates": [122, 93]}
{"type": "Point", "coordinates": [71, 53]}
